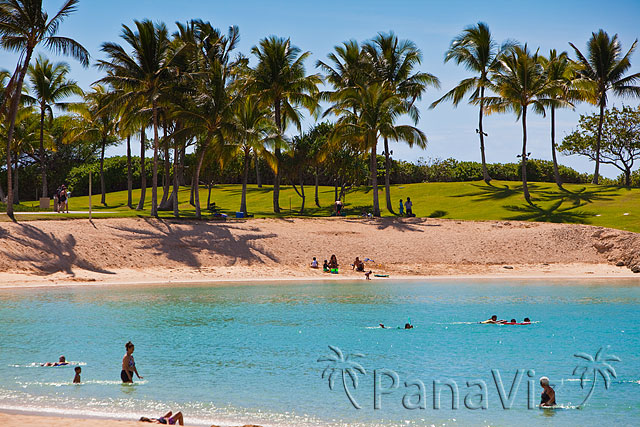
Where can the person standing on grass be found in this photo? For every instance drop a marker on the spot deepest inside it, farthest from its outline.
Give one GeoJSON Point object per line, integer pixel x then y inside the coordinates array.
{"type": "Point", "coordinates": [401, 208]}
{"type": "Point", "coordinates": [408, 205]}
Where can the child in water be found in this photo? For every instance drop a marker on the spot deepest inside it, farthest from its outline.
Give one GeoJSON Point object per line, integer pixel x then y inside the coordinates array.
{"type": "Point", "coordinates": [76, 379]}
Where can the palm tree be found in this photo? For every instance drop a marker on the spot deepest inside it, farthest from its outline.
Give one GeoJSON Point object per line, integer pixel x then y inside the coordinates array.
{"type": "Point", "coordinates": [476, 49]}
{"type": "Point", "coordinates": [24, 141]}
{"type": "Point", "coordinates": [367, 113]}
{"type": "Point", "coordinates": [605, 67]}
{"type": "Point", "coordinates": [253, 128]}
{"type": "Point", "coordinates": [560, 72]}
{"type": "Point", "coordinates": [393, 62]}
{"type": "Point", "coordinates": [49, 85]}
{"type": "Point", "coordinates": [520, 83]}
{"type": "Point", "coordinates": [99, 123]}
{"type": "Point", "coordinates": [208, 114]}
{"type": "Point", "coordinates": [595, 366]}
{"type": "Point", "coordinates": [141, 76]}
{"type": "Point", "coordinates": [279, 78]}
{"type": "Point", "coordinates": [345, 366]}
{"type": "Point", "coordinates": [23, 27]}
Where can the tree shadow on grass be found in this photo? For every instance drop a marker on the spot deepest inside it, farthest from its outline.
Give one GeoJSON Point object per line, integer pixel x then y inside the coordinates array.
{"type": "Point", "coordinates": [184, 242]}
{"type": "Point", "coordinates": [578, 197]}
{"type": "Point", "coordinates": [487, 192]}
{"type": "Point", "coordinates": [46, 253]}
{"type": "Point", "coordinates": [554, 213]}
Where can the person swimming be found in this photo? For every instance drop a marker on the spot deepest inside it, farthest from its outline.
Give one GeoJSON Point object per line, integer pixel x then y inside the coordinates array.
{"type": "Point", "coordinates": [512, 321]}
{"type": "Point", "coordinates": [548, 396]}
{"type": "Point", "coordinates": [62, 361]}
{"type": "Point", "coordinates": [408, 326]}
{"type": "Point", "coordinates": [382, 326]}
{"type": "Point", "coordinates": [526, 320]}
{"type": "Point", "coordinates": [493, 319]}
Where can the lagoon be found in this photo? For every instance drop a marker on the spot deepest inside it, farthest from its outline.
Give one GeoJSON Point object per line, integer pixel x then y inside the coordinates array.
{"type": "Point", "coordinates": [248, 353]}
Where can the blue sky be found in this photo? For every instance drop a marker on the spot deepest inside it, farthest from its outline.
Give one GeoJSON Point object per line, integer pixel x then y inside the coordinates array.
{"type": "Point", "coordinates": [319, 26]}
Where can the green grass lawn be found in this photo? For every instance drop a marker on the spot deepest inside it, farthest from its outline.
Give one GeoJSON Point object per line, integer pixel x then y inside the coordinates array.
{"type": "Point", "coordinates": [502, 200]}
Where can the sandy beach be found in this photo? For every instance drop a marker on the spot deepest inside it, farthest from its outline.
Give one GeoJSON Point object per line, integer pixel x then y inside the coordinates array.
{"type": "Point", "coordinates": [140, 251]}
{"type": "Point", "coordinates": [137, 251]}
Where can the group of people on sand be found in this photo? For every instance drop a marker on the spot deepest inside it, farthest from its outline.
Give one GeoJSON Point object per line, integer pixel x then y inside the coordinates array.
{"type": "Point", "coordinates": [494, 320]}
{"type": "Point", "coordinates": [332, 265]}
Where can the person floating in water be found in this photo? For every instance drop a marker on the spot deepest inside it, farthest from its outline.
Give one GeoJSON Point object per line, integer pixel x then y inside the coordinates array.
{"type": "Point", "coordinates": [382, 326]}
{"type": "Point", "coordinates": [408, 326]}
{"type": "Point", "coordinates": [494, 319]}
{"type": "Point", "coordinates": [526, 320]}
{"type": "Point", "coordinates": [548, 396]}
{"type": "Point", "coordinates": [128, 365]}
{"type": "Point", "coordinates": [62, 361]}
{"type": "Point", "coordinates": [76, 379]}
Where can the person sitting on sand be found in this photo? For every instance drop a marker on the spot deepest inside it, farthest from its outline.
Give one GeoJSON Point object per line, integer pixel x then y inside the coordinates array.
{"type": "Point", "coordinates": [325, 266]}
{"type": "Point", "coordinates": [314, 263]}
{"type": "Point", "coordinates": [128, 365]}
{"type": "Point", "coordinates": [76, 379]}
{"type": "Point", "coordinates": [548, 396]}
{"type": "Point", "coordinates": [61, 362]}
{"type": "Point", "coordinates": [408, 326]}
{"type": "Point", "coordinates": [333, 262]}
{"type": "Point", "coordinates": [167, 418]}
{"type": "Point", "coordinates": [358, 265]}
{"type": "Point", "coordinates": [368, 274]}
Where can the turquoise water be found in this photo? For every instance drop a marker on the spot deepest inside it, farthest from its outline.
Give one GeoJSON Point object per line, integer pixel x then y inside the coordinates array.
{"type": "Point", "coordinates": [248, 354]}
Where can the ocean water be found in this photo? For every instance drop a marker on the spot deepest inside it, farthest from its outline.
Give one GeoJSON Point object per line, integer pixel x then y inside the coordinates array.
{"type": "Point", "coordinates": [237, 354]}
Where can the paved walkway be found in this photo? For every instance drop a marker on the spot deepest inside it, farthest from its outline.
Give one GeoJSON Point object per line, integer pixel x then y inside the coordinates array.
{"type": "Point", "coordinates": [70, 212]}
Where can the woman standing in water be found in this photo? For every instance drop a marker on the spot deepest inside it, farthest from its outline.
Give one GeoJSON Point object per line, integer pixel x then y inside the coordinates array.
{"type": "Point", "coordinates": [128, 365]}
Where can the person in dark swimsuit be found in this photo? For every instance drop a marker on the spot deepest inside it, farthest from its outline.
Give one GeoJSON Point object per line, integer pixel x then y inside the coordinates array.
{"type": "Point", "coordinates": [128, 365]}
{"type": "Point", "coordinates": [167, 418]}
{"type": "Point", "coordinates": [548, 396]}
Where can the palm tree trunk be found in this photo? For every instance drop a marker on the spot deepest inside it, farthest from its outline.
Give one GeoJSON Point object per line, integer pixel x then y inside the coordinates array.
{"type": "Point", "coordinates": [596, 173]}
{"type": "Point", "coordinates": [556, 173]}
{"type": "Point", "coordinates": [245, 177]}
{"type": "Point", "coordinates": [167, 173]}
{"type": "Point", "coordinates": [129, 176]}
{"type": "Point", "coordinates": [154, 180]}
{"type": "Point", "coordinates": [183, 150]}
{"type": "Point", "coordinates": [43, 161]}
{"type": "Point", "coordinates": [196, 180]}
{"type": "Point", "coordinates": [302, 193]}
{"type": "Point", "coordinates": [485, 171]}
{"type": "Point", "coordinates": [374, 180]}
{"type": "Point", "coordinates": [209, 187]}
{"type": "Point", "coordinates": [143, 172]}
{"type": "Point", "coordinates": [176, 186]}
{"type": "Point", "coordinates": [192, 200]}
{"type": "Point", "coordinates": [13, 113]}
{"type": "Point", "coordinates": [525, 188]}
{"type": "Point", "coordinates": [258, 179]}
{"type": "Point", "coordinates": [387, 176]}
{"type": "Point", "coordinates": [103, 189]}
{"type": "Point", "coordinates": [2, 195]}
{"type": "Point", "coordinates": [316, 185]}
{"type": "Point", "coordinates": [16, 193]}
{"type": "Point", "coordinates": [276, 178]}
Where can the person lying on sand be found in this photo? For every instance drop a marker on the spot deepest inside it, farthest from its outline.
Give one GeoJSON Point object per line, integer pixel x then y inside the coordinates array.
{"type": "Point", "coordinates": [165, 419]}
{"type": "Point", "coordinates": [548, 396]}
{"type": "Point", "coordinates": [61, 362]}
